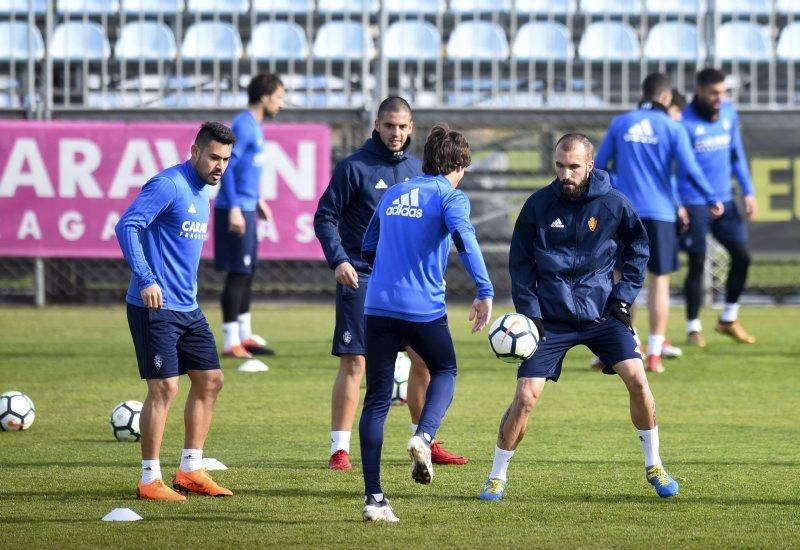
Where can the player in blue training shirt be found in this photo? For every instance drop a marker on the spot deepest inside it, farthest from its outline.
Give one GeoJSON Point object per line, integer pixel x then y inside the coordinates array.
{"type": "Point", "coordinates": [161, 235]}
{"type": "Point", "coordinates": [641, 147]}
{"type": "Point", "coordinates": [235, 210]}
{"type": "Point", "coordinates": [561, 262]}
{"type": "Point", "coordinates": [713, 128]}
{"type": "Point", "coordinates": [407, 242]}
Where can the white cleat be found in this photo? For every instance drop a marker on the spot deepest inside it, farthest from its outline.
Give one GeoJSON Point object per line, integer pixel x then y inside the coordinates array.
{"type": "Point", "coordinates": [671, 352]}
{"type": "Point", "coordinates": [421, 466]}
{"type": "Point", "coordinates": [375, 511]}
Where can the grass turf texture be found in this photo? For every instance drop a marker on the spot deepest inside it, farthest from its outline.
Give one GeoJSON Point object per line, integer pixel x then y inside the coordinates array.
{"type": "Point", "coordinates": [728, 420]}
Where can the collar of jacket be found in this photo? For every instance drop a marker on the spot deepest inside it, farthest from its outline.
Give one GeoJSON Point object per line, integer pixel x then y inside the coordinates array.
{"type": "Point", "coordinates": [192, 175]}
{"type": "Point", "coordinates": [650, 105]}
{"type": "Point", "coordinates": [704, 111]}
{"type": "Point", "coordinates": [376, 146]}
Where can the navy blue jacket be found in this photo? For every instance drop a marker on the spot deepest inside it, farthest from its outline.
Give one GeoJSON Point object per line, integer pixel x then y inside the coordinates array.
{"type": "Point", "coordinates": [563, 253]}
{"type": "Point", "coordinates": [356, 188]}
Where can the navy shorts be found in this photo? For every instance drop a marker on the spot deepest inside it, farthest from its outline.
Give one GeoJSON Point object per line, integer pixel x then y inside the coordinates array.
{"type": "Point", "coordinates": [348, 334]}
{"type": "Point", "coordinates": [729, 229]}
{"type": "Point", "coordinates": [232, 253]}
{"type": "Point", "coordinates": [663, 240]}
{"type": "Point", "coordinates": [169, 343]}
{"type": "Point", "coordinates": [609, 340]}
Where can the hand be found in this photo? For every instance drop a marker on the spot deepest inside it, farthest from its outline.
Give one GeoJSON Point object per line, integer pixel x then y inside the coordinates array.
{"type": "Point", "coordinates": [480, 312]}
{"type": "Point", "coordinates": [264, 211]}
{"type": "Point", "coordinates": [236, 221]}
{"type": "Point", "coordinates": [622, 311]}
{"type": "Point", "coordinates": [537, 322]}
{"type": "Point", "coordinates": [717, 209]}
{"type": "Point", "coordinates": [750, 206]}
{"type": "Point", "coordinates": [346, 275]}
{"type": "Point", "coordinates": [151, 296]}
{"type": "Point", "coordinates": [683, 220]}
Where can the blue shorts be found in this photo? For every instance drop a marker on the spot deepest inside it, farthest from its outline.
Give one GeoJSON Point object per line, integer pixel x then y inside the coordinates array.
{"type": "Point", "coordinates": [169, 343]}
{"type": "Point", "coordinates": [729, 229]}
{"type": "Point", "coordinates": [232, 253]}
{"type": "Point", "coordinates": [663, 240]}
{"type": "Point", "coordinates": [609, 340]}
{"type": "Point", "coordinates": [348, 334]}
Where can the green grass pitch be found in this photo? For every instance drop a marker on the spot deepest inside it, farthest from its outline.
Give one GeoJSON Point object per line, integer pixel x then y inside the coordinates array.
{"type": "Point", "coordinates": [729, 434]}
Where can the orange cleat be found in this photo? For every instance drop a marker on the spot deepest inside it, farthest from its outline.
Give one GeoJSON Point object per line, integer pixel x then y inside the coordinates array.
{"type": "Point", "coordinates": [440, 455]}
{"type": "Point", "coordinates": [199, 482]}
{"type": "Point", "coordinates": [257, 346]}
{"type": "Point", "coordinates": [158, 490]}
{"type": "Point", "coordinates": [736, 331]}
{"type": "Point", "coordinates": [340, 460]}
{"type": "Point", "coordinates": [237, 351]}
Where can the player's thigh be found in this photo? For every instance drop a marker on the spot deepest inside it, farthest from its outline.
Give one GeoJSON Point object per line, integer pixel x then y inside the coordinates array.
{"type": "Point", "coordinates": [663, 240]}
{"type": "Point", "coordinates": [197, 349]}
{"type": "Point", "coordinates": [383, 337]}
{"type": "Point", "coordinates": [433, 342]}
{"type": "Point", "coordinates": [155, 338]}
{"type": "Point", "coordinates": [546, 363]}
{"type": "Point", "coordinates": [349, 330]}
{"type": "Point", "coordinates": [612, 342]}
{"type": "Point", "coordinates": [729, 229]}
{"type": "Point", "coordinates": [694, 240]}
{"type": "Point", "coordinates": [234, 253]}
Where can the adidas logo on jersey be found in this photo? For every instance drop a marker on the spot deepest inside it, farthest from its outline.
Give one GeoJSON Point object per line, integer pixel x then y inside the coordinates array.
{"type": "Point", "coordinates": [641, 132]}
{"type": "Point", "coordinates": [381, 184]}
{"type": "Point", "coordinates": [406, 205]}
{"type": "Point", "coordinates": [557, 224]}
{"type": "Point", "coordinates": [192, 209]}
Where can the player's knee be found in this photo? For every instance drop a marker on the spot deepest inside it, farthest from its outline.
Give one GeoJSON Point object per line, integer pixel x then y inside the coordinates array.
{"type": "Point", "coordinates": [162, 391]}
{"type": "Point", "coordinates": [637, 384]}
{"type": "Point", "coordinates": [526, 400]}
{"type": "Point", "coordinates": [352, 365]}
{"type": "Point", "coordinates": [740, 257]}
{"type": "Point", "coordinates": [215, 382]}
{"type": "Point", "coordinates": [697, 263]}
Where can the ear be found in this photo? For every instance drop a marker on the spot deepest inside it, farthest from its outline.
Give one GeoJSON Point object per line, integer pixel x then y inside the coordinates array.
{"type": "Point", "coordinates": [195, 150]}
{"type": "Point", "coordinates": [410, 127]}
{"type": "Point", "coordinates": [376, 124]}
{"type": "Point", "coordinates": [590, 165]}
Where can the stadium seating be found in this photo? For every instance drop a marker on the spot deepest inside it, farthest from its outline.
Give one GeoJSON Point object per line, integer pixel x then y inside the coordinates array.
{"type": "Point", "coordinates": [742, 41]}
{"type": "Point", "coordinates": [149, 7]}
{"type": "Point", "coordinates": [787, 6]}
{"type": "Point", "coordinates": [208, 40]}
{"type": "Point", "coordinates": [686, 8]}
{"type": "Point", "coordinates": [14, 41]}
{"type": "Point", "coordinates": [77, 41]}
{"type": "Point", "coordinates": [90, 7]}
{"type": "Point", "coordinates": [283, 6]}
{"type": "Point", "coordinates": [479, 40]}
{"type": "Point", "coordinates": [480, 6]}
{"type": "Point", "coordinates": [409, 7]}
{"type": "Point", "coordinates": [674, 41]}
{"type": "Point", "coordinates": [222, 7]}
{"type": "Point", "coordinates": [559, 7]}
{"type": "Point", "coordinates": [611, 40]}
{"type": "Point", "coordinates": [146, 40]}
{"type": "Point", "coordinates": [612, 7]}
{"type": "Point", "coordinates": [743, 7]}
{"type": "Point", "coordinates": [789, 43]}
{"type": "Point", "coordinates": [412, 40]}
{"type": "Point", "coordinates": [23, 6]}
{"type": "Point", "coordinates": [347, 6]}
{"type": "Point", "coordinates": [343, 40]}
{"type": "Point", "coordinates": [541, 40]}
{"type": "Point", "coordinates": [279, 40]}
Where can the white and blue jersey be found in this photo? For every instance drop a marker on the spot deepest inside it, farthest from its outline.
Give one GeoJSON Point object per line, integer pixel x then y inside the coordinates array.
{"type": "Point", "coordinates": [241, 182]}
{"type": "Point", "coordinates": [642, 145]}
{"type": "Point", "coordinates": [719, 150]}
{"type": "Point", "coordinates": [162, 234]}
{"type": "Point", "coordinates": [410, 236]}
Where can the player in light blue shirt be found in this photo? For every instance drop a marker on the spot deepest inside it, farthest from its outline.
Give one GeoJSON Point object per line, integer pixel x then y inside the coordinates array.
{"type": "Point", "coordinates": [407, 242]}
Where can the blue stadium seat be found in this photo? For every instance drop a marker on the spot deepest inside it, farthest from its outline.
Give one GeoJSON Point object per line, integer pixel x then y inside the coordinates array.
{"type": "Point", "coordinates": [743, 7]}
{"type": "Point", "coordinates": [343, 40]}
{"type": "Point", "coordinates": [146, 40]}
{"type": "Point", "coordinates": [283, 6]}
{"type": "Point", "coordinates": [23, 6]}
{"type": "Point", "coordinates": [223, 7]}
{"type": "Point", "coordinates": [347, 6]}
{"type": "Point", "coordinates": [76, 40]}
{"type": "Point", "coordinates": [92, 7]}
{"type": "Point", "coordinates": [540, 40]}
{"type": "Point", "coordinates": [742, 41]}
{"type": "Point", "coordinates": [687, 8]}
{"type": "Point", "coordinates": [149, 7]}
{"type": "Point", "coordinates": [209, 40]}
{"type": "Point", "coordinates": [789, 43]}
{"type": "Point", "coordinates": [611, 40]}
{"type": "Point", "coordinates": [413, 7]}
{"type": "Point", "coordinates": [427, 44]}
{"type": "Point", "coordinates": [559, 7]}
{"type": "Point", "coordinates": [480, 6]}
{"type": "Point", "coordinates": [673, 41]}
{"type": "Point", "coordinates": [477, 40]}
{"type": "Point", "coordinates": [14, 38]}
{"type": "Point", "coordinates": [612, 7]}
{"type": "Point", "coordinates": [279, 40]}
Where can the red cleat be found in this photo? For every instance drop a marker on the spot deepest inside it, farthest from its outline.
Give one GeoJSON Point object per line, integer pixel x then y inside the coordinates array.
{"type": "Point", "coordinates": [257, 346]}
{"type": "Point", "coordinates": [340, 460]}
{"type": "Point", "coordinates": [237, 351]}
{"type": "Point", "coordinates": [440, 455]}
{"type": "Point", "coordinates": [654, 363]}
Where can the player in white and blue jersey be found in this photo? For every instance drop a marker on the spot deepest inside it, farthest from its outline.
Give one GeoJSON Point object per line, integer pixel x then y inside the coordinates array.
{"type": "Point", "coordinates": [407, 242]}
{"type": "Point", "coordinates": [235, 211]}
{"type": "Point", "coordinates": [161, 235]}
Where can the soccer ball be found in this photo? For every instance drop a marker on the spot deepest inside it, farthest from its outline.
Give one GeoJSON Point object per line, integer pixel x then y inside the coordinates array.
{"type": "Point", "coordinates": [124, 421]}
{"type": "Point", "coordinates": [513, 337]}
{"type": "Point", "coordinates": [16, 411]}
{"type": "Point", "coordinates": [402, 366]}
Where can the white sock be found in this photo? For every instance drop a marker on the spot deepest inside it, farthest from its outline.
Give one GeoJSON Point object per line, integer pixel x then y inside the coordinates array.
{"type": "Point", "coordinates": [414, 428]}
{"type": "Point", "coordinates": [191, 460]}
{"type": "Point", "coordinates": [340, 441]}
{"type": "Point", "coordinates": [693, 325]}
{"type": "Point", "coordinates": [151, 471]}
{"type": "Point", "coordinates": [502, 459]}
{"type": "Point", "coordinates": [730, 312]}
{"type": "Point", "coordinates": [649, 441]}
{"type": "Point", "coordinates": [655, 343]}
{"type": "Point", "coordinates": [230, 335]}
{"type": "Point", "coordinates": [245, 330]}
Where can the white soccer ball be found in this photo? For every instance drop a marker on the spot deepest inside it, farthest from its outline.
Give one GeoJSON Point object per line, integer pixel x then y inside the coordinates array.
{"type": "Point", "coordinates": [124, 421]}
{"type": "Point", "coordinates": [16, 411]}
{"type": "Point", "coordinates": [402, 367]}
{"type": "Point", "coordinates": [513, 337]}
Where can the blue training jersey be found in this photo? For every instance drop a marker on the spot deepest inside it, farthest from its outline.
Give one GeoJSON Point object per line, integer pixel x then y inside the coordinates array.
{"type": "Point", "coordinates": [241, 182]}
{"type": "Point", "coordinates": [410, 236]}
{"type": "Point", "coordinates": [643, 145]}
{"type": "Point", "coordinates": [162, 233]}
{"type": "Point", "coordinates": [719, 150]}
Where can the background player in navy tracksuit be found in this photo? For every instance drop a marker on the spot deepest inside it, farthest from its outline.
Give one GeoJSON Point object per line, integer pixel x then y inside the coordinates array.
{"type": "Point", "coordinates": [713, 128]}
{"type": "Point", "coordinates": [409, 238]}
{"type": "Point", "coordinates": [161, 235]}
{"type": "Point", "coordinates": [561, 262]}
{"type": "Point", "coordinates": [344, 210]}
{"type": "Point", "coordinates": [235, 209]}
{"type": "Point", "coordinates": [642, 146]}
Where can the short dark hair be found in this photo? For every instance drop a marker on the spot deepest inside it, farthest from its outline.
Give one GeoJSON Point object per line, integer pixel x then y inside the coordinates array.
{"type": "Point", "coordinates": [710, 75]}
{"type": "Point", "coordinates": [445, 151]}
{"type": "Point", "coordinates": [678, 99]}
{"type": "Point", "coordinates": [214, 131]}
{"type": "Point", "coordinates": [394, 104]}
{"type": "Point", "coordinates": [655, 84]}
{"type": "Point", "coordinates": [261, 85]}
{"type": "Point", "coordinates": [569, 141]}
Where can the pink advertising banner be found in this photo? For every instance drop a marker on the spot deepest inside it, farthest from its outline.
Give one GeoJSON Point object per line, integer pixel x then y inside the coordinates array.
{"type": "Point", "coordinates": [64, 185]}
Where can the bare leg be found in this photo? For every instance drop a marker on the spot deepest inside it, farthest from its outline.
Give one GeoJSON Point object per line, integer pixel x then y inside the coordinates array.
{"type": "Point", "coordinates": [515, 420]}
{"type": "Point", "coordinates": [160, 393]}
{"type": "Point", "coordinates": [206, 385]}
{"type": "Point", "coordinates": [418, 381]}
{"type": "Point", "coordinates": [658, 303]}
{"type": "Point", "coordinates": [643, 407]}
{"type": "Point", "coordinates": [344, 399]}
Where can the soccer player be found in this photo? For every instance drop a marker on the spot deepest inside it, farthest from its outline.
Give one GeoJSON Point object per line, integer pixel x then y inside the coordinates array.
{"type": "Point", "coordinates": [713, 127]}
{"type": "Point", "coordinates": [642, 146]}
{"type": "Point", "coordinates": [161, 235]}
{"type": "Point", "coordinates": [344, 210]}
{"type": "Point", "coordinates": [407, 243]}
{"type": "Point", "coordinates": [561, 263]}
{"type": "Point", "coordinates": [235, 210]}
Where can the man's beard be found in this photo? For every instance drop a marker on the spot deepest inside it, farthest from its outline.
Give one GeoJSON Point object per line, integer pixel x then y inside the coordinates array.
{"type": "Point", "coordinates": [705, 110]}
{"type": "Point", "coordinates": [574, 193]}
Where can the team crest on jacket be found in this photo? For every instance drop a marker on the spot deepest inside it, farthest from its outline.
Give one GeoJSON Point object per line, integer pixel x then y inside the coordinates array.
{"type": "Point", "coordinates": [592, 223]}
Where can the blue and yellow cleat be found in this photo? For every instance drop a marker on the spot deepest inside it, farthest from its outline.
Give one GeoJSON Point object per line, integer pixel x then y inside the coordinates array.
{"type": "Point", "coordinates": [658, 477]}
{"type": "Point", "coordinates": [493, 489]}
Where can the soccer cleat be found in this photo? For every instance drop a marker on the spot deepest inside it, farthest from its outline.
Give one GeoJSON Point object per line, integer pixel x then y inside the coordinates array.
{"type": "Point", "coordinates": [695, 338]}
{"type": "Point", "coordinates": [158, 490]}
{"type": "Point", "coordinates": [596, 363]}
{"type": "Point", "coordinates": [670, 352]}
{"type": "Point", "coordinates": [420, 453]}
{"type": "Point", "coordinates": [658, 477]}
{"type": "Point", "coordinates": [378, 511]}
{"type": "Point", "coordinates": [440, 455]}
{"type": "Point", "coordinates": [237, 351]}
{"type": "Point", "coordinates": [340, 460]}
{"type": "Point", "coordinates": [198, 481]}
{"type": "Point", "coordinates": [735, 330]}
{"type": "Point", "coordinates": [654, 363]}
{"type": "Point", "coordinates": [257, 346]}
{"type": "Point", "coordinates": [493, 489]}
